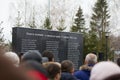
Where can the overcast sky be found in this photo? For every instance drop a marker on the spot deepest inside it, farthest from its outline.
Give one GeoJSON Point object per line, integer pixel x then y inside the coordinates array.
{"type": "Point", "coordinates": [86, 5]}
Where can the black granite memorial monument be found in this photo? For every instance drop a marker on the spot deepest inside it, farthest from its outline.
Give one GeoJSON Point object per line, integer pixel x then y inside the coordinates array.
{"type": "Point", "coordinates": [64, 45]}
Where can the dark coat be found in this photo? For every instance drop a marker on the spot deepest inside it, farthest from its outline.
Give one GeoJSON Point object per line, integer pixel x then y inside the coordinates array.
{"type": "Point", "coordinates": [67, 76]}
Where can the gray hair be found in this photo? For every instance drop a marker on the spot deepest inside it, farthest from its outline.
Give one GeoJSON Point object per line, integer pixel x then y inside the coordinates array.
{"type": "Point", "coordinates": [91, 58]}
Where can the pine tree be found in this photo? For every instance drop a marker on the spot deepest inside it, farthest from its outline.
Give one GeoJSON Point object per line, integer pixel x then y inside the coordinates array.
{"type": "Point", "coordinates": [79, 22]}
{"type": "Point", "coordinates": [32, 21]}
{"type": "Point", "coordinates": [47, 24]}
{"type": "Point", "coordinates": [61, 25]}
{"type": "Point", "coordinates": [1, 35]}
{"type": "Point", "coordinates": [99, 23]}
{"type": "Point", "coordinates": [78, 26]}
{"type": "Point", "coordinates": [18, 22]}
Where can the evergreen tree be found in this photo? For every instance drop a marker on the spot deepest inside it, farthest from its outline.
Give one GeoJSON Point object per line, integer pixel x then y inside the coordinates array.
{"type": "Point", "coordinates": [32, 23]}
{"type": "Point", "coordinates": [1, 35]}
{"type": "Point", "coordinates": [18, 22]}
{"type": "Point", "coordinates": [61, 25]}
{"type": "Point", "coordinates": [79, 22]}
{"type": "Point", "coordinates": [99, 23]}
{"type": "Point", "coordinates": [47, 24]}
{"type": "Point", "coordinates": [78, 26]}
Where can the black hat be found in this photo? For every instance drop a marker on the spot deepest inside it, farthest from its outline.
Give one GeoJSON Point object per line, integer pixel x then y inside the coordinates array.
{"type": "Point", "coordinates": [32, 55]}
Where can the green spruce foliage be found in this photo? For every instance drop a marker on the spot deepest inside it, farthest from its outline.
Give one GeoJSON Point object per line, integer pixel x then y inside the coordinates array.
{"type": "Point", "coordinates": [47, 24]}
{"type": "Point", "coordinates": [99, 24]}
{"type": "Point", "coordinates": [61, 25]}
{"type": "Point", "coordinates": [79, 22]}
{"type": "Point", "coordinates": [32, 20]}
{"type": "Point", "coordinates": [18, 22]}
{"type": "Point", "coordinates": [78, 26]}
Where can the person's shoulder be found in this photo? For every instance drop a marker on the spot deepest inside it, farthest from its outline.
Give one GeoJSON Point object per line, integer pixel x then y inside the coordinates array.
{"type": "Point", "coordinates": [65, 73]}
{"type": "Point", "coordinates": [78, 72]}
{"type": "Point", "coordinates": [67, 76]}
{"type": "Point", "coordinates": [81, 73]}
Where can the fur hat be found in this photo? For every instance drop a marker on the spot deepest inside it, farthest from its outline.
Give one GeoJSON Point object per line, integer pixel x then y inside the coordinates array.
{"type": "Point", "coordinates": [104, 69]}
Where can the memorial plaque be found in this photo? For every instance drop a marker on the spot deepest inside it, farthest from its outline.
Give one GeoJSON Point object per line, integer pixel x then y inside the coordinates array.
{"type": "Point", "coordinates": [64, 45]}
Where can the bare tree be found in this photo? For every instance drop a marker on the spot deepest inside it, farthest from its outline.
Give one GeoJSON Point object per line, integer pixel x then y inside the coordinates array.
{"type": "Point", "coordinates": [29, 13]}
{"type": "Point", "coordinates": [57, 10]}
{"type": "Point", "coordinates": [114, 42]}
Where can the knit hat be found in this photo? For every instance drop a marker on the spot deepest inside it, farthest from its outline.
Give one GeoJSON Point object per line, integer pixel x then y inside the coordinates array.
{"type": "Point", "coordinates": [104, 69]}
{"type": "Point", "coordinates": [32, 55]}
{"type": "Point", "coordinates": [13, 57]}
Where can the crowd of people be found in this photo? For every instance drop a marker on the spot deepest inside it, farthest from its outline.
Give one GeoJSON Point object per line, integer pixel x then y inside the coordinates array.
{"type": "Point", "coordinates": [33, 65]}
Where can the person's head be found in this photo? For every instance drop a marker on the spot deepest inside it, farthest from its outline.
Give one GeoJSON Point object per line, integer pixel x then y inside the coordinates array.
{"type": "Point", "coordinates": [91, 59]}
{"type": "Point", "coordinates": [67, 66]}
{"type": "Point", "coordinates": [9, 72]}
{"type": "Point", "coordinates": [53, 69]}
{"type": "Point", "coordinates": [32, 55]}
{"type": "Point", "coordinates": [102, 70]}
{"type": "Point", "coordinates": [35, 70]}
{"type": "Point", "coordinates": [118, 62]}
{"type": "Point", "coordinates": [13, 57]}
{"type": "Point", "coordinates": [48, 54]}
{"type": "Point", "coordinates": [113, 77]}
